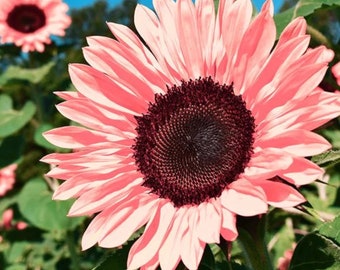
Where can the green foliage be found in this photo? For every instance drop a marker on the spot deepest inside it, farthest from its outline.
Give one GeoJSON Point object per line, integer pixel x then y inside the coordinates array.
{"type": "Point", "coordinates": [36, 206]}
{"type": "Point", "coordinates": [315, 251]}
{"type": "Point", "coordinates": [33, 75]}
{"type": "Point", "coordinates": [331, 230]}
{"type": "Point", "coordinates": [39, 138]}
{"type": "Point", "coordinates": [11, 149]}
{"type": "Point", "coordinates": [302, 8]}
{"type": "Point", "coordinates": [116, 260]}
{"type": "Point", "coordinates": [330, 157]}
{"type": "Point", "coordinates": [12, 120]}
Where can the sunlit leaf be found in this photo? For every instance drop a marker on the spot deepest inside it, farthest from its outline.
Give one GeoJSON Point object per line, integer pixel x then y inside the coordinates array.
{"type": "Point", "coordinates": [333, 136]}
{"type": "Point", "coordinates": [33, 75]}
{"type": "Point", "coordinates": [12, 120]}
{"type": "Point", "coordinates": [40, 140]}
{"type": "Point", "coordinates": [208, 260]}
{"type": "Point", "coordinates": [315, 251]}
{"type": "Point", "coordinates": [331, 230]}
{"type": "Point", "coordinates": [302, 8]}
{"type": "Point", "coordinates": [116, 260]}
{"type": "Point", "coordinates": [327, 158]}
{"type": "Point", "coordinates": [36, 205]}
{"type": "Point", "coordinates": [284, 239]}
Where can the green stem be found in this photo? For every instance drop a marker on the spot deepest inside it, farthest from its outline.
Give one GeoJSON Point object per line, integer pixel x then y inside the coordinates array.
{"type": "Point", "coordinates": [225, 246]}
{"type": "Point", "coordinates": [318, 36]}
{"type": "Point", "coordinates": [75, 261]}
{"type": "Point", "coordinates": [251, 238]}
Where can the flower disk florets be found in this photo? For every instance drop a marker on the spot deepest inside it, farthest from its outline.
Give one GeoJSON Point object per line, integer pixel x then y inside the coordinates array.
{"type": "Point", "coordinates": [26, 18]}
{"type": "Point", "coordinates": [193, 141]}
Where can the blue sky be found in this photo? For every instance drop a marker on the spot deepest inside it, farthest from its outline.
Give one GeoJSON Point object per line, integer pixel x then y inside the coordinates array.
{"type": "Point", "coordinates": [81, 3]}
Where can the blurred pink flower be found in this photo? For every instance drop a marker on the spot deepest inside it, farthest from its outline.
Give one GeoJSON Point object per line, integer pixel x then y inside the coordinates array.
{"type": "Point", "coordinates": [7, 221]}
{"type": "Point", "coordinates": [7, 178]}
{"type": "Point", "coordinates": [336, 72]}
{"type": "Point", "coordinates": [284, 262]}
{"type": "Point", "coordinates": [7, 217]}
{"type": "Point", "coordinates": [30, 23]}
{"type": "Point", "coordinates": [185, 134]}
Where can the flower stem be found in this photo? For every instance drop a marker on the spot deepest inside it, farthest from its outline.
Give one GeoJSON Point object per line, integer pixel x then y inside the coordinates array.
{"type": "Point", "coordinates": [225, 247]}
{"type": "Point", "coordinates": [318, 36]}
{"type": "Point", "coordinates": [251, 239]}
{"type": "Point", "coordinates": [73, 252]}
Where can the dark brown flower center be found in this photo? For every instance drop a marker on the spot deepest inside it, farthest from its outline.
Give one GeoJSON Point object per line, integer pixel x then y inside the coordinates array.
{"type": "Point", "coordinates": [26, 18]}
{"type": "Point", "coordinates": [193, 141]}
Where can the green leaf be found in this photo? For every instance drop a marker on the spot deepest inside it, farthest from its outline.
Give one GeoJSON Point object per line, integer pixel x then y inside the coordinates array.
{"type": "Point", "coordinates": [117, 260]}
{"type": "Point", "coordinates": [208, 260]}
{"type": "Point", "coordinates": [40, 140]}
{"type": "Point", "coordinates": [36, 205]}
{"type": "Point", "coordinates": [284, 240]}
{"type": "Point", "coordinates": [330, 157]}
{"type": "Point", "coordinates": [12, 120]}
{"type": "Point", "coordinates": [302, 8]}
{"type": "Point", "coordinates": [16, 251]}
{"type": "Point", "coordinates": [331, 230]}
{"type": "Point", "coordinates": [315, 251]}
{"type": "Point", "coordinates": [333, 136]}
{"type": "Point", "coordinates": [17, 267]}
{"type": "Point", "coordinates": [33, 75]}
{"type": "Point", "coordinates": [216, 3]}
{"type": "Point", "coordinates": [11, 149]}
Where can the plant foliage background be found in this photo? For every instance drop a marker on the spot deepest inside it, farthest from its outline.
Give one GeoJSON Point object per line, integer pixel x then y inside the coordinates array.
{"type": "Point", "coordinates": [51, 240]}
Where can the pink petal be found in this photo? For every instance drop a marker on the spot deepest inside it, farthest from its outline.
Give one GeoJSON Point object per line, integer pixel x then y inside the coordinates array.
{"type": "Point", "coordinates": [104, 194]}
{"type": "Point", "coordinates": [267, 163]}
{"type": "Point", "coordinates": [111, 217]}
{"type": "Point", "coordinates": [209, 222]}
{"type": "Point", "coordinates": [233, 21]}
{"type": "Point", "coordinates": [302, 172]}
{"type": "Point", "coordinates": [336, 72]}
{"type": "Point", "coordinates": [244, 199]}
{"type": "Point", "coordinates": [318, 109]}
{"type": "Point", "coordinates": [295, 28]}
{"type": "Point", "coordinates": [121, 64]}
{"type": "Point", "coordinates": [75, 137]}
{"type": "Point", "coordinates": [287, 90]}
{"type": "Point", "coordinates": [298, 142]}
{"type": "Point", "coordinates": [228, 230]}
{"type": "Point", "coordinates": [101, 89]}
{"type": "Point", "coordinates": [169, 252]}
{"type": "Point", "coordinates": [155, 33]}
{"type": "Point", "coordinates": [191, 247]}
{"type": "Point", "coordinates": [205, 10]}
{"type": "Point", "coordinates": [67, 95]}
{"type": "Point", "coordinates": [189, 37]}
{"type": "Point", "coordinates": [279, 194]}
{"type": "Point", "coordinates": [152, 264]}
{"type": "Point", "coordinates": [130, 40]}
{"type": "Point", "coordinates": [87, 114]}
{"type": "Point", "coordinates": [282, 55]}
{"type": "Point", "coordinates": [121, 230]}
{"type": "Point", "coordinates": [144, 249]}
{"type": "Point", "coordinates": [254, 49]}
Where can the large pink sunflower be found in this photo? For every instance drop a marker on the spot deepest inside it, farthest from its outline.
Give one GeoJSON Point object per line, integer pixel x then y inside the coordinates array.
{"type": "Point", "coordinates": [336, 72]}
{"type": "Point", "coordinates": [29, 23]}
{"type": "Point", "coordinates": [208, 122]}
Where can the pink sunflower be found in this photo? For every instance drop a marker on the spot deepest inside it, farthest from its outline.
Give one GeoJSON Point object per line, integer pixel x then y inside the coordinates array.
{"type": "Point", "coordinates": [7, 178]}
{"type": "Point", "coordinates": [207, 122]}
{"type": "Point", "coordinates": [29, 23]}
{"type": "Point", "coordinates": [336, 72]}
